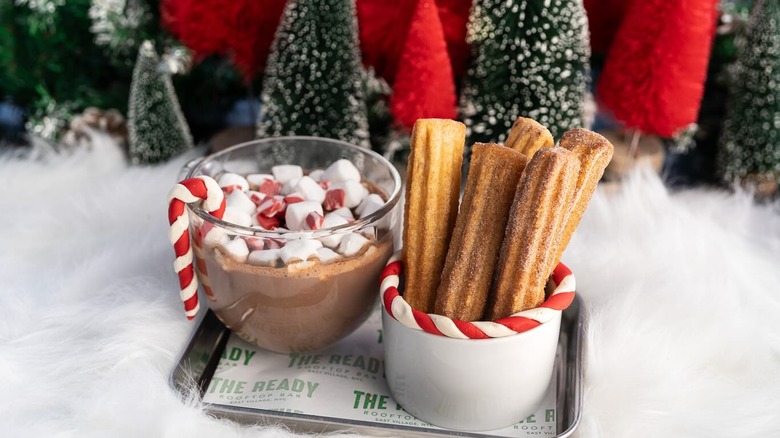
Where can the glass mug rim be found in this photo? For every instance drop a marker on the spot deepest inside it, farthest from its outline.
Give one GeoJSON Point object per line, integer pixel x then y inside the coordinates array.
{"type": "Point", "coordinates": [357, 224]}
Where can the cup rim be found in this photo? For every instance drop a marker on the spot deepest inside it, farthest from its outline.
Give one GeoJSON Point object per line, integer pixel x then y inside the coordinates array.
{"type": "Point", "coordinates": [357, 224]}
{"type": "Point", "coordinates": [396, 307]}
{"type": "Point", "coordinates": [443, 339]}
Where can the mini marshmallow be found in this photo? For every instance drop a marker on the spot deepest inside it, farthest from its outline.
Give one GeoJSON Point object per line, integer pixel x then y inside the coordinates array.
{"type": "Point", "coordinates": [273, 243]}
{"type": "Point", "coordinates": [270, 206]}
{"type": "Point", "coordinates": [254, 243]}
{"type": "Point", "coordinates": [270, 187]}
{"type": "Point", "coordinates": [368, 232]}
{"type": "Point", "coordinates": [256, 197]}
{"type": "Point", "coordinates": [237, 249]}
{"type": "Point", "coordinates": [345, 213]}
{"type": "Point", "coordinates": [280, 213]}
{"type": "Point", "coordinates": [326, 254]}
{"type": "Point", "coordinates": [216, 236]}
{"type": "Point", "coordinates": [265, 257]}
{"type": "Point", "coordinates": [313, 221]}
{"type": "Point", "coordinates": [370, 204]}
{"type": "Point", "coordinates": [230, 181]}
{"type": "Point", "coordinates": [292, 268]}
{"type": "Point", "coordinates": [238, 217]}
{"type": "Point", "coordinates": [334, 199]}
{"type": "Point", "coordinates": [240, 201]}
{"type": "Point", "coordinates": [333, 220]}
{"type": "Point", "coordinates": [341, 170]}
{"type": "Point", "coordinates": [256, 179]}
{"type": "Point", "coordinates": [293, 198]}
{"type": "Point", "coordinates": [286, 172]}
{"type": "Point", "coordinates": [310, 189]}
{"type": "Point", "coordinates": [299, 250]}
{"type": "Point", "coordinates": [296, 213]}
{"type": "Point", "coordinates": [289, 186]}
{"type": "Point", "coordinates": [354, 192]}
{"type": "Point", "coordinates": [316, 174]}
{"type": "Point", "coordinates": [267, 223]}
{"type": "Point", "coordinates": [351, 244]}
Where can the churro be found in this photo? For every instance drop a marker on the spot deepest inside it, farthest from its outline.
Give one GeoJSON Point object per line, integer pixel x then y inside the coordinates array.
{"type": "Point", "coordinates": [528, 136]}
{"type": "Point", "coordinates": [532, 232]}
{"type": "Point", "coordinates": [494, 175]}
{"type": "Point", "coordinates": [432, 191]}
{"type": "Point", "coordinates": [594, 153]}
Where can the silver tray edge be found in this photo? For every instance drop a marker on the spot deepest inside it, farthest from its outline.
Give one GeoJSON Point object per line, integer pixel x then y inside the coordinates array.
{"type": "Point", "coordinates": [199, 359]}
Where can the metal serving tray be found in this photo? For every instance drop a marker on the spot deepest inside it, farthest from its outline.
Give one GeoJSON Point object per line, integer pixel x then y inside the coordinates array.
{"type": "Point", "coordinates": [203, 352]}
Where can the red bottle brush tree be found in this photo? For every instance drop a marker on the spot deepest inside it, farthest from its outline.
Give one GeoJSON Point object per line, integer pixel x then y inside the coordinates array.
{"type": "Point", "coordinates": [384, 26]}
{"type": "Point", "coordinates": [653, 77]}
{"type": "Point", "coordinates": [240, 29]}
{"type": "Point", "coordinates": [424, 85]}
{"type": "Point", "coordinates": [454, 16]}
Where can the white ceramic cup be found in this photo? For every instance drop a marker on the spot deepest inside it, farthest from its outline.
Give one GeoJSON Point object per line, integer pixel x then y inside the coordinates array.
{"type": "Point", "coordinates": [469, 384]}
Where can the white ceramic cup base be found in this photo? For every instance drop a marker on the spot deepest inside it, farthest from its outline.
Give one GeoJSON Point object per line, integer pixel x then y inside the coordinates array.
{"type": "Point", "coordinates": [469, 384]}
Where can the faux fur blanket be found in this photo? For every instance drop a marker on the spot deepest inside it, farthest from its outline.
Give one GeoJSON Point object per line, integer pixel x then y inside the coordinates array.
{"type": "Point", "coordinates": [682, 292]}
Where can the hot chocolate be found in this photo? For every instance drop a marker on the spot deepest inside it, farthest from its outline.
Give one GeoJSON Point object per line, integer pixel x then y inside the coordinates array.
{"type": "Point", "coordinates": [300, 307]}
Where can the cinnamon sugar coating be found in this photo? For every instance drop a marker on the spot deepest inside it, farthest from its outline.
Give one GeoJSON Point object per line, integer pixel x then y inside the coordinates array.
{"type": "Point", "coordinates": [528, 136]}
{"type": "Point", "coordinates": [533, 232]}
{"type": "Point", "coordinates": [494, 175]}
{"type": "Point", "coordinates": [431, 206]}
{"type": "Point", "coordinates": [594, 153]}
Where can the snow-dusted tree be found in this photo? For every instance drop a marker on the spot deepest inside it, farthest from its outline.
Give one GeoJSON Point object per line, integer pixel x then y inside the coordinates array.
{"type": "Point", "coordinates": [120, 26]}
{"type": "Point", "coordinates": [313, 81]}
{"type": "Point", "coordinates": [750, 141]}
{"type": "Point", "coordinates": [156, 126]}
{"type": "Point", "coordinates": [529, 58]}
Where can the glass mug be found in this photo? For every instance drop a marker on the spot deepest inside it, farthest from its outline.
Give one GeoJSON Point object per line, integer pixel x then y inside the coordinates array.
{"type": "Point", "coordinates": [304, 305]}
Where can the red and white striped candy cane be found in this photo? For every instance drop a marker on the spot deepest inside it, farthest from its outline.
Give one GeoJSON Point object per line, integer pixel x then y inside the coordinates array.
{"type": "Point", "coordinates": [395, 305]}
{"type": "Point", "coordinates": [200, 188]}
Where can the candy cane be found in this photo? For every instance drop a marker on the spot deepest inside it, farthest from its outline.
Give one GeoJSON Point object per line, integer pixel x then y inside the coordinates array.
{"type": "Point", "coordinates": [201, 188]}
{"type": "Point", "coordinates": [398, 308]}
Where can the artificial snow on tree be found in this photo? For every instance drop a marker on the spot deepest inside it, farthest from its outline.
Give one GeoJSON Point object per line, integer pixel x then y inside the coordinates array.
{"type": "Point", "coordinates": [157, 129]}
{"type": "Point", "coordinates": [529, 58]}
{"type": "Point", "coordinates": [750, 140]}
{"type": "Point", "coordinates": [313, 82]}
{"type": "Point", "coordinates": [424, 85]}
{"type": "Point", "coordinates": [653, 77]}
{"type": "Point", "coordinates": [120, 26]}
{"type": "Point", "coordinates": [49, 118]}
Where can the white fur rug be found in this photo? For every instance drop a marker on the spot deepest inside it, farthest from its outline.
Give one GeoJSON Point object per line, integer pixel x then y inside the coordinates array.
{"type": "Point", "coordinates": [682, 291]}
